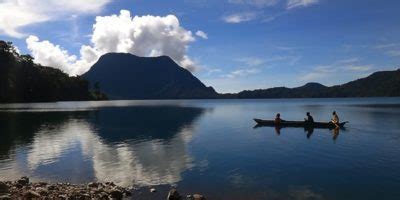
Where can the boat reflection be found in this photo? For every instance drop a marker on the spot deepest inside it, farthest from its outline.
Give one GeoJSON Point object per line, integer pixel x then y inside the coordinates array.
{"type": "Point", "coordinates": [308, 130]}
{"type": "Point", "coordinates": [100, 146]}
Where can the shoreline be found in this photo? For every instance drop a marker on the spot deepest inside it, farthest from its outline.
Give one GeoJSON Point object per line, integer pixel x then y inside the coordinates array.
{"type": "Point", "coordinates": [24, 189]}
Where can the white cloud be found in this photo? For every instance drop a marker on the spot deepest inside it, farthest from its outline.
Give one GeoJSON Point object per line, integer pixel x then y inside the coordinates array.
{"type": "Point", "coordinates": [48, 54]}
{"type": "Point", "coordinates": [386, 45]}
{"type": "Point", "coordinates": [143, 36]}
{"type": "Point", "coordinates": [319, 73]}
{"type": "Point", "coordinates": [140, 35]}
{"type": "Point", "coordinates": [394, 53]}
{"type": "Point", "coordinates": [240, 17]}
{"type": "Point", "coordinates": [241, 73]}
{"type": "Point", "coordinates": [349, 60]}
{"type": "Point", "coordinates": [269, 18]}
{"type": "Point", "coordinates": [390, 49]}
{"type": "Point", "coordinates": [214, 71]}
{"type": "Point", "coordinates": [251, 61]}
{"type": "Point", "coordinates": [12, 17]}
{"type": "Point", "coordinates": [210, 71]}
{"type": "Point", "coordinates": [202, 34]}
{"type": "Point", "coordinates": [284, 48]}
{"type": "Point", "coordinates": [291, 4]}
{"type": "Point", "coordinates": [257, 7]}
{"type": "Point", "coordinates": [359, 68]}
{"type": "Point", "coordinates": [257, 3]}
{"type": "Point", "coordinates": [17, 14]}
{"type": "Point", "coordinates": [312, 76]}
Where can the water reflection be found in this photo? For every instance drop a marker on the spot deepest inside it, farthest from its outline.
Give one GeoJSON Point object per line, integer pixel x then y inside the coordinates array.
{"type": "Point", "coordinates": [18, 129]}
{"type": "Point", "coordinates": [308, 130]}
{"type": "Point", "coordinates": [335, 133]}
{"type": "Point", "coordinates": [105, 145]}
{"type": "Point", "coordinates": [215, 153]}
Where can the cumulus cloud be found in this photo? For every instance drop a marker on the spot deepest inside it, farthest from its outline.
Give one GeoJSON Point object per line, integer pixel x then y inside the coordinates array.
{"type": "Point", "coordinates": [139, 35]}
{"type": "Point", "coordinates": [16, 14]}
{"type": "Point", "coordinates": [291, 4]}
{"type": "Point", "coordinates": [202, 34]}
{"type": "Point", "coordinates": [240, 17]}
{"type": "Point", "coordinates": [49, 54]}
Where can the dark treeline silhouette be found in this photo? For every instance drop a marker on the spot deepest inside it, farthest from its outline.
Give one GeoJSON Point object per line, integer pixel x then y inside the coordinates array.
{"type": "Point", "coordinates": [21, 80]}
{"type": "Point", "coordinates": [379, 84]}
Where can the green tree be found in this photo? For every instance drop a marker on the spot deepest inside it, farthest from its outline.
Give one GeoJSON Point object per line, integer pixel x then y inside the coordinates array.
{"type": "Point", "coordinates": [97, 88]}
{"type": "Point", "coordinates": [27, 58]}
{"type": "Point", "coordinates": [7, 47]}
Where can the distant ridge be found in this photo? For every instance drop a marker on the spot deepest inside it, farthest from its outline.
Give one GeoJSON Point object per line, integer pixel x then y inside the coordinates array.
{"type": "Point", "coordinates": [126, 76]}
{"type": "Point", "coordinates": [378, 84]}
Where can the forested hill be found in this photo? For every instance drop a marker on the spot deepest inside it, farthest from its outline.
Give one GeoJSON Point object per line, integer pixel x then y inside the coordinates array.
{"type": "Point", "coordinates": [21, 80]}
{"type": "Point", "coordinates": [379, 84]}
{"type": "Point", "coordinates": [126, 76]}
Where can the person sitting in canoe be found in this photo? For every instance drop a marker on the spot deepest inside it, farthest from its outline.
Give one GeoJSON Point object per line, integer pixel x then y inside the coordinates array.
{"type": "Point", "coordinates": [278, 119]}
{"type": "Point", "coordinates": [335, 119]}
{"type": "Point", "coordinates": [309, 118]}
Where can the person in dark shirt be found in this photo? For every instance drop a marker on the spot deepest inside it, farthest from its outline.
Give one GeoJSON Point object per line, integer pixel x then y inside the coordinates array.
{"type": "Point", "coordinates": [278, 119]}
{"type": "Point", "coordinates": [309, 118]}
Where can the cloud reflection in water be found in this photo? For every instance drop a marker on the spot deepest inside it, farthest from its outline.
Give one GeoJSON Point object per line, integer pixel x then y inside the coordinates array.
{"type": "Point", "coordinates": [135, 159]}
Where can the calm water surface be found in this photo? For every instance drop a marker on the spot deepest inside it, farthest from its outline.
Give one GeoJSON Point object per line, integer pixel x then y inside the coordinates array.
{"type": "Point", "coordinates": [208, 146]}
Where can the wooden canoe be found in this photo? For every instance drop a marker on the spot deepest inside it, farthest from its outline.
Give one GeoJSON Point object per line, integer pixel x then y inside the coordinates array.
{"type": "Point", "coordinates": [261, 122]}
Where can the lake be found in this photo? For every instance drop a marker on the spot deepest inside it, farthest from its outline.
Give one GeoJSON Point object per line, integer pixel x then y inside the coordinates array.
{"type": "Point", "coordinates": [208, 146]}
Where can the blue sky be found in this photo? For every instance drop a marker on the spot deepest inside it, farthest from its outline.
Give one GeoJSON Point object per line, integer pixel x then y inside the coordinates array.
{"type": "Point", "coordinates": [231, 45]}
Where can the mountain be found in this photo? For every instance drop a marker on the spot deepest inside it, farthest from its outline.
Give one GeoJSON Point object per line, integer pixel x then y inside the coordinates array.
{"type": "Point", "coordinates": [306, 91]}
{"type": "Point", "coordinates": [126, 76]}
{"type": "Point", "coordinates": [21, 80]}
{"type": "Point", "coordinates": [379, 84]}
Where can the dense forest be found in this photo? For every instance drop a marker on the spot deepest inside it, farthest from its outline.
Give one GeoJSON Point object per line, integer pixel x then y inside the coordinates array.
{"type": "Point", "coordinates": [21, 80]}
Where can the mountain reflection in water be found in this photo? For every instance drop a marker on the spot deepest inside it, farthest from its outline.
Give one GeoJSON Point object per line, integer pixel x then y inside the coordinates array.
{"type": "Point", "coordinates": [208, 147]}
{"type": "Point", "coordinates": [129, 146]}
